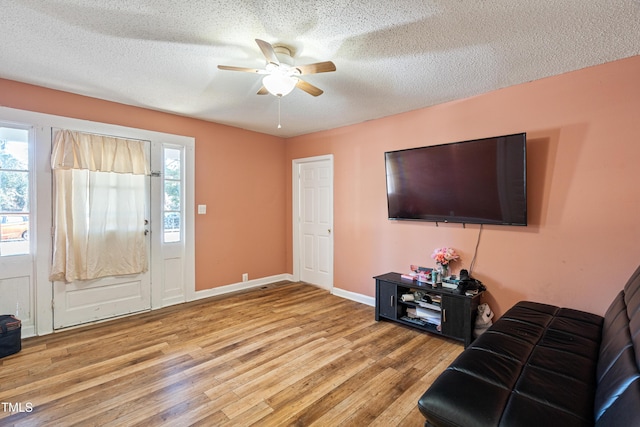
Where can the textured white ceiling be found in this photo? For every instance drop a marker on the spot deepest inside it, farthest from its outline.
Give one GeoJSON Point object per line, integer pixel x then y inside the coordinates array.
{"type": "Point", "coordinates": [391, 57]}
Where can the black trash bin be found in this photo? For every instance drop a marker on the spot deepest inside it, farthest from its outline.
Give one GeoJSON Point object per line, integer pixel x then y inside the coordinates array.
{"type": "Point", "coordinates": [10, 335]}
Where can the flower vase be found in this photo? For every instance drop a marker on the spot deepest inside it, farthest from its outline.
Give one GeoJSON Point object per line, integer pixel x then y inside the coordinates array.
{"type": "Point", "coordinates": [444, 271]}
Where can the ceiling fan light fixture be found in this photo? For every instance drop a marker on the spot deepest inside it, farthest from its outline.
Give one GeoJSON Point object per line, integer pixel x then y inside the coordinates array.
{"type": "Point", "coordinates": [278, 84]}
{"type": "Point", "coordinates": [281, 76]}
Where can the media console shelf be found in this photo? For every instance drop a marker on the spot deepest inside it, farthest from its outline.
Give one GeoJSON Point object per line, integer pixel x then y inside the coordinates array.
{"type": "Point", "coordinates": [441, 311]}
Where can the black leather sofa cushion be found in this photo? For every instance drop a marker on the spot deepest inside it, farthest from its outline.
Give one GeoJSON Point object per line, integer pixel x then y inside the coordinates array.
{"type": "Point", "coordinates": [535, 366]}
{"type": "Point", "coordinates": [544, 365]}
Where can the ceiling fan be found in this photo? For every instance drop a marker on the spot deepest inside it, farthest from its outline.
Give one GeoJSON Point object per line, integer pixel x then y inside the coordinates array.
{"type": "Point", "coordinates": [280, 75]}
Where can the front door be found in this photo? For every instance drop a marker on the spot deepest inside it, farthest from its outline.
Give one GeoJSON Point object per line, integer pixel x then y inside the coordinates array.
{"type": "Point", "coordinates": [85, 301]}
{"type": "Point", "coordinates": [315, 221]}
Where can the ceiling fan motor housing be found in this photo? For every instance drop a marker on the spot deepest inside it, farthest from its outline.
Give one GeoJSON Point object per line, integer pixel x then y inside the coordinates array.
{"type": "Point", "coordinates": [285, 54]}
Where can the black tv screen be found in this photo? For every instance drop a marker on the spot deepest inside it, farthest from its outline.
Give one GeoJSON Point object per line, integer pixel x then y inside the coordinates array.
{"type": "Point", "coordinates": [481, 181]}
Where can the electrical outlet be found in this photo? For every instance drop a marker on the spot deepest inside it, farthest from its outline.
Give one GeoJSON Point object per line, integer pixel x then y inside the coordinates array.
{"type": "Point", "coordinates": [245, 277]}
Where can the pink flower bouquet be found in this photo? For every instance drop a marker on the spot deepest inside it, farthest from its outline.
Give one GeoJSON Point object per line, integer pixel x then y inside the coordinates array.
{"type": "Point", "coordinates": [444, 256]}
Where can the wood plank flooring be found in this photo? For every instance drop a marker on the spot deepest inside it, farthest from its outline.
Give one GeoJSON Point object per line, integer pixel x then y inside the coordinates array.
{"type": "Point", "coordinates": [285, 354]}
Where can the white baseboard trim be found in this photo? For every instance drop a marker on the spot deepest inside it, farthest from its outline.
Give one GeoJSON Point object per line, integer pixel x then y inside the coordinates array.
{"type": "Point", "coordinates": [364, 299]}
{"type": "Point", "coordinates": [240, 286]}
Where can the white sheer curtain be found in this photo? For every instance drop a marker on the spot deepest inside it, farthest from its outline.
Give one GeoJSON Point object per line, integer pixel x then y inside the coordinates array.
{"type": "Point", "coordinates": [99, 206]}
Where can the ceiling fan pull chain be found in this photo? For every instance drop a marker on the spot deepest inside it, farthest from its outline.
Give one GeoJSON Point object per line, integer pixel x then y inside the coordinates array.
{"type": "Point", "coordinates": [279, 98]}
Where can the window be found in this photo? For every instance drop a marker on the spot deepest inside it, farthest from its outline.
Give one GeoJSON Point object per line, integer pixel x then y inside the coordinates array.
{"type": "Point", "coordinates": [14, 191]}
{"type": "Point", "coordinates": [172, 159]}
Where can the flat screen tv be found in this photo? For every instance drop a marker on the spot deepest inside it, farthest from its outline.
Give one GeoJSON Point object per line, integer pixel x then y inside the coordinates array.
{"type": "Point", "coordinates": [482, 181]}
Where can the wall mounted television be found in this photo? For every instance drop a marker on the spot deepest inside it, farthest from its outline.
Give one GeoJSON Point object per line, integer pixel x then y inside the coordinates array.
{"type": "Point", "coordinates": [482, 181]}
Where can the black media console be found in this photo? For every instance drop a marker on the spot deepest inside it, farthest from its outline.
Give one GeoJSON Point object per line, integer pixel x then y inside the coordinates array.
{"type": "Point", "coordinates": [443, 311]}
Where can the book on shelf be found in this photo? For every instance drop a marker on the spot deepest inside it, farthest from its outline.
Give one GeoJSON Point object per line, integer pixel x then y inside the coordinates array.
{"type": "Point", "coordinates": [430, 306]}
{"type": "Point", "coordinates": [409, 276]}
{"type": "Point", "coordinates": [436, 299]}
{"type": "Point", "coordinates": [425, 315]}
{"type": "Point", "coordinates": [428, 315]}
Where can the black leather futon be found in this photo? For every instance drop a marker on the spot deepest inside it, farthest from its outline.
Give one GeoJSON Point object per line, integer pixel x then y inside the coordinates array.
{"type": "Point", "coordinates": [541, 365]}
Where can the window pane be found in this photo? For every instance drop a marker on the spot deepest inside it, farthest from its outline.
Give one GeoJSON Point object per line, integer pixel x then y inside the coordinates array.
{"type": "Point", "coordinates": [14, 234]}
{"type": "Point", "coordinates": [14, 149]}
{"type": "Point", "coordinates": [172, 195]}
{"type": "Point", "coordinates": [171, 227]}
{"type": "Point", "coordinates": [171, 163]}
{"type": "Point", "coordinates": [14, 191]}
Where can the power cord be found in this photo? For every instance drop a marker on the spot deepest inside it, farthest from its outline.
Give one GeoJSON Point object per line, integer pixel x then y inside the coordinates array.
{"type": "Point", "coordinates": [473, 260]}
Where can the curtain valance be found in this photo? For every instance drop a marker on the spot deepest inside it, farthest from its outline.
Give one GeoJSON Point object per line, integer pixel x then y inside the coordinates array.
{"type": "Point", "coordinates": [98, 153]}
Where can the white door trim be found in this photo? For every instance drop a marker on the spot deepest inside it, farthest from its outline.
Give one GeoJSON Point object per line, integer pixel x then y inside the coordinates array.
{"type": "Point", "coordinates": [296, 210]}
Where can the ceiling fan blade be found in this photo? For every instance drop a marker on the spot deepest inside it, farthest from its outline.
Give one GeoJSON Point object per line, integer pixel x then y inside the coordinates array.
{"type": "Point", "coordinates": [263, 91]}
{"type": "Point", "coordinates": [318, 67]}
{"type": "Point", "coordinates": [246, 70]}
{"type": "Point", "coordinates": [309, 88]}
{"type": "Point", "coordinates": [268, 52]}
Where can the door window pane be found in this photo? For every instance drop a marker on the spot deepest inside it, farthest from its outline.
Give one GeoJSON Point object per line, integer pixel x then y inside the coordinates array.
{"type": "Point", "coordinates": [14, 191]}
{"type": "Point", "coordinates": [172, 164]}
{"type": "Point", "coordinates": [171, 227]}
{"type": "Point", "coordinates": [172, 223]}
{"type": "Point", "coordinates": [172, 195]}
{"type": "Point", "coordinates": [14, 196]}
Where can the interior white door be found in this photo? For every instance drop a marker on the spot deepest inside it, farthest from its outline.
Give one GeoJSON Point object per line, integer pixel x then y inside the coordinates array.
{"type": "Point", "coordinates": [315, 226]}
{"type": "Point", "coordinates": [86, 301]}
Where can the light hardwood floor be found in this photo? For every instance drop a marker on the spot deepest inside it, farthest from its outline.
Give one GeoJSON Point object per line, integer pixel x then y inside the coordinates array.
{"type": "Point", "coordinates": [284, 354]}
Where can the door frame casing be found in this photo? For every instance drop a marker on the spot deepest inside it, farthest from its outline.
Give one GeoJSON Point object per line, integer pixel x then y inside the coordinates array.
{"type": "Point", "coordinates": [295, 218]}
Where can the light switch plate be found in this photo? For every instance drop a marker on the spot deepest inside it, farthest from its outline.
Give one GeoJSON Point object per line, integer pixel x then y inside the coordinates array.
{"type": "Point", "coordinates": [202, 209]}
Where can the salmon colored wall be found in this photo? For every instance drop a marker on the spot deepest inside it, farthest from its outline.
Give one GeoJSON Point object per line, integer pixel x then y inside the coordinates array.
{"type": "Point", "coordinates": [239, 176]}
{"type": "Point", "coordinates": [581, 244]}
